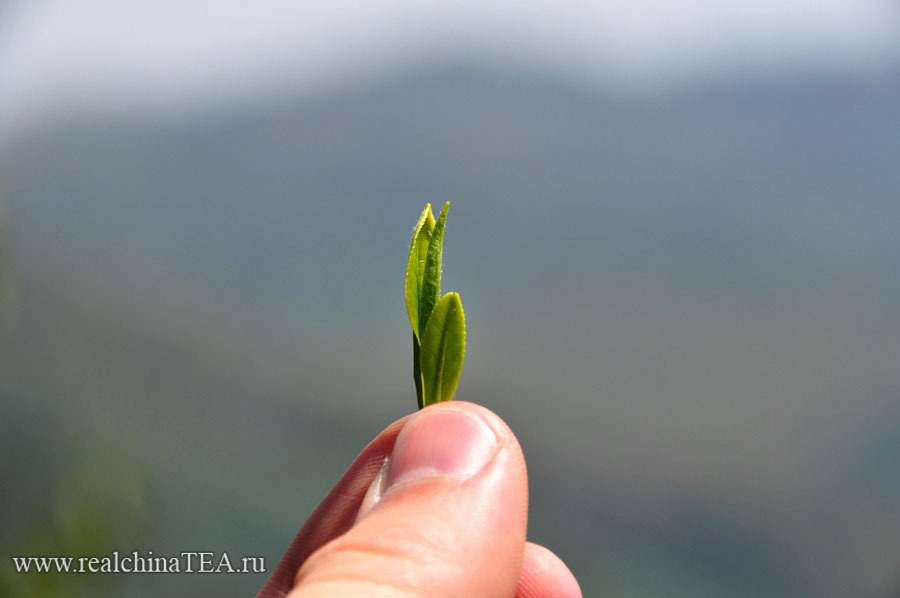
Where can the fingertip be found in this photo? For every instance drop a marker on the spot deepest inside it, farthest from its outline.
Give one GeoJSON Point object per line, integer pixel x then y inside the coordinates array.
{"type": "Point", "coordinates": [545, 575]}
{"type": "Point", "coordinates": [445, 443]}
{"type": "Point", "coordinates": [504, 434]}
{"type": "Point", "coordinates": [454, 500]}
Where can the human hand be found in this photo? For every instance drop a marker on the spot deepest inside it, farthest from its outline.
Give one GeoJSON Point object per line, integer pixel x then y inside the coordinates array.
{"type": "Point", "coordinates": [444, 516]}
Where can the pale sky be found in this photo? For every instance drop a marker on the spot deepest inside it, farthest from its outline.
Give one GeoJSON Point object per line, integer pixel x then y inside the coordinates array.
{"type": "Point", "coordinates": [175, 57]}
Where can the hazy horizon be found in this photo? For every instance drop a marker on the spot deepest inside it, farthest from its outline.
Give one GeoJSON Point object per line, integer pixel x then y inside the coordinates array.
{"type": "Point", "coordinates": [187, 59]}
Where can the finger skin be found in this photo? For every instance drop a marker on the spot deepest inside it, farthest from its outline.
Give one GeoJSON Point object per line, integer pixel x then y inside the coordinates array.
{"type": "Point", "coordinates": [544, 575]}
{"type": "Point", "coordinates": [435, 537]}
{"type": "Point", "coordinates": [335, 514]}
{"type": "Point", "coordinates": [429, 538]}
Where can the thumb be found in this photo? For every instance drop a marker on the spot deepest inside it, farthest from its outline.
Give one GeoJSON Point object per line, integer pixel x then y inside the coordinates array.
{"type": "Point", "coordinates": [445, 517]}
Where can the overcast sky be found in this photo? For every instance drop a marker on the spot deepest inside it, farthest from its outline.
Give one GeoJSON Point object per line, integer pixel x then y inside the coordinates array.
{"type": "Point", "coordinates": [178, 56]}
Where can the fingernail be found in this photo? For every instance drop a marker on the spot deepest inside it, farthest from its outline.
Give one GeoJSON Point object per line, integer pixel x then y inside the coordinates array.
{"type": "Point", "coordinates": [440, 442]}
{"type": "Point", "coordinates": [376, 489]}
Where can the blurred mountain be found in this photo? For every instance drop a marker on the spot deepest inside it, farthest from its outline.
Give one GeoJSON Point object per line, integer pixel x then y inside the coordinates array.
{"type": "Point", "coordinates": [734, 180]}
{"type": "Point", "coordinates": [686, 307]}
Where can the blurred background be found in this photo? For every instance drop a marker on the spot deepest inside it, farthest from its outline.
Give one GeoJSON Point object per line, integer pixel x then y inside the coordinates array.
{"type": "Point", "coordinates": [674, 228]}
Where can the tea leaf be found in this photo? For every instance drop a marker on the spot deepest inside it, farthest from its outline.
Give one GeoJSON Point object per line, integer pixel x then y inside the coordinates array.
{"type": "Point", "coordinates": [415, 265]}
{"type": "Point", "coordinates": [431, 275]}
{"type": "Point", "coordinates": [439, 328]}
{"type": "Point", "coordinates": [443, 348]}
